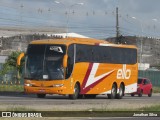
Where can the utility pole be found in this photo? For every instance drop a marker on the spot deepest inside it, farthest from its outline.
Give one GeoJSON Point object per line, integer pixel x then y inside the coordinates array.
{"type": "Point", "coordinates": [117, 26]}
{"type": "Point", "coordinates": [21, 34]}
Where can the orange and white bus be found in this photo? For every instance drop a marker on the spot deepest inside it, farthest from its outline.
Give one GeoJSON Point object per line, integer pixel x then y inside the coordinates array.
{"type": "Point", "coordinates": [80, 67]}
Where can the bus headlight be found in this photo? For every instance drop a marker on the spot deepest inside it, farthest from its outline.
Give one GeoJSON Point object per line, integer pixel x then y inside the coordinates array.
{"type": "Point", "coordinates": [57, 85]}
{"type": "Point", "coordinates": [28, 85]}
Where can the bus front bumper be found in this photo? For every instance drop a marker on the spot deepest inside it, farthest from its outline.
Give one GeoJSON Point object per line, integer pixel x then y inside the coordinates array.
{"type": "Point", "coordinates": [45, 90]}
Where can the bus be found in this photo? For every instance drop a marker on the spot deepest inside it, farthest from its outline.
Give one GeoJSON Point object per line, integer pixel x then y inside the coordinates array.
{"type": "Point", "coordinates": [79, 67]}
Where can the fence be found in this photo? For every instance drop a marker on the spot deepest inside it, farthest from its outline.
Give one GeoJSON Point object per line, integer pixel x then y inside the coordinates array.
{"type": "Point", "coordinates": [154, 76]}
{"type": "Point", "coordinates": [11, 79]}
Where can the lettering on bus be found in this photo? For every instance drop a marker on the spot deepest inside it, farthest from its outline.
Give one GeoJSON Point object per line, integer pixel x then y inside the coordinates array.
{"type": "Point", "coordinates": [123, 73]}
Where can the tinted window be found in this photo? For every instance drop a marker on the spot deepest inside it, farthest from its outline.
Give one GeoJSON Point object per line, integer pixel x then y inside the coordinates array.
{"type": "Point", "coordinates": [70, 61]}
{"type": "Point", "coordinates": [36, 49]}
{"type": "Point", "coordinates": [45, 62]}
{"type": "Point", "coordinates": [146, 81]}
{"type": "Point", "coordinates": [105, 54]}
{"type": "Point", "coordinates": [84, 53]}
{"type": "Point", "coordinates": [140, 81]}
{"type": "Point", "coordinates": [71, 53]}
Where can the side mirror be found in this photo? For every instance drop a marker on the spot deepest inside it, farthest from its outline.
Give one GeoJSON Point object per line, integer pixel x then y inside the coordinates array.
{"type": "Point", "coordinates": [19, 59]}
{"type": "Point", "coordinates": [65, 61]}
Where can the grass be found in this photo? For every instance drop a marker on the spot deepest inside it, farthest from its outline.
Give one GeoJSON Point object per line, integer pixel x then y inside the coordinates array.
{"type": "Point", "coordinates": [155, 107]}
{"type": "Point", "coordinates": [151, 108]}
{"type": "Point", "coordinates": [110, 110]}
{"type": "Point", "coordinates": [19, 108]}
{"type": "Point", "coordinates": [12, 88]}
{"type": "Point", "coordinates": [156, 89]}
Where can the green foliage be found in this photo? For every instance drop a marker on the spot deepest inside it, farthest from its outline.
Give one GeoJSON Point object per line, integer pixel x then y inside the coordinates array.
{"type": "Point", "coordinates": [5, 69]}
{"type": "Point", "coordinates": [12, 59]}
{"type": "Point", "coordinates": [12, 88]}
{"type": "Point", "coordinates": [11, 63]}
{"type": "Point", "coordinates": [156, 89]}
{"type": "Point", "coordinates": [151, 108]}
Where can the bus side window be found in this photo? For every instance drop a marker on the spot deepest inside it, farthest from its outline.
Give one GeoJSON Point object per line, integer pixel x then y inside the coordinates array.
{"type": "Point", "coordinates": [70, 63]}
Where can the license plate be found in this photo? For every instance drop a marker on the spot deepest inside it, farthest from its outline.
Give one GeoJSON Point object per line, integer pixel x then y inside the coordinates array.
{"type": "Point", "coordinates": [41, 90]}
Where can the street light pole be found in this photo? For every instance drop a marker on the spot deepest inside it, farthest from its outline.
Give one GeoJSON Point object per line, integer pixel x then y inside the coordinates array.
{"type": "Point", "coordinates": [141, 48]}
{"type": "Point", "coordinates": [156, 33]}
{"type": "Point", "coordinates": [68, 9]}
{"type": "Point", "coordinates": [155, 20]}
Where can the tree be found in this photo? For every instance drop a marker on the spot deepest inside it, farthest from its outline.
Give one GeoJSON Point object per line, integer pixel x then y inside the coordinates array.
{"type": "Point", "coordinates": [11, 63]}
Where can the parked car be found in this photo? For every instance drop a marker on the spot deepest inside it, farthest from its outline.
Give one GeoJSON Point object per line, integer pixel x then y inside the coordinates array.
{"type": "Point", "coordinates": [144, 86]}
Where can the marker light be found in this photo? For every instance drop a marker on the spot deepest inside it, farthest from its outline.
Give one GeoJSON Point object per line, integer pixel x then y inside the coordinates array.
{"type": "Point", "coordinates": [57, 85]}
{"type": "Point", "coordinates": [27, 84]}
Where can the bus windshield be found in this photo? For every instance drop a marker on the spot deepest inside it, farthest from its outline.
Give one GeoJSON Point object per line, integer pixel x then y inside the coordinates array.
{"type": "Point", "coordinates": [44, 62]}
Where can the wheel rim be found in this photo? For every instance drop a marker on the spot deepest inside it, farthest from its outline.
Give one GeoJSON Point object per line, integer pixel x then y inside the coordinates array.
{"type": "Point", "coordinates": [113, 91]}
{"type": "Point", "coordinates": [120, 91]}
{"type": "Point", "coordinates": [76, 90]}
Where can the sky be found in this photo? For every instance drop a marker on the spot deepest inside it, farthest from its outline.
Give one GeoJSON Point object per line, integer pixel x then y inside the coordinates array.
{"type": "Point", "coordinates": [92, 18]}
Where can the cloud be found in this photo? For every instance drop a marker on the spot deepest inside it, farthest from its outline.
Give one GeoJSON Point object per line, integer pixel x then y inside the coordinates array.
{"type": "Point", "coordinates": [140, 6]}
{"type": "Point", "coordinates": [97, 16]}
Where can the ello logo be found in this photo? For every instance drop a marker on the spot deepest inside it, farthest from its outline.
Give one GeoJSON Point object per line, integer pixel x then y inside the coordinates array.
{"type": "Point", "coordinates": [123, 73]}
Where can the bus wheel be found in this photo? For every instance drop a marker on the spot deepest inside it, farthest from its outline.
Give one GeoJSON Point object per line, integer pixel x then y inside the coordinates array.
{"type": "Point", "coordinates": [113, 92]}
{"type": "Point", "coordinates": [76, 92]}
{"type": "Point", "coordinates": [121, 92]}
{"type": "Point", "coordinates": [41, 95]}
{"type": "Point", "coordinates": [80, 96]}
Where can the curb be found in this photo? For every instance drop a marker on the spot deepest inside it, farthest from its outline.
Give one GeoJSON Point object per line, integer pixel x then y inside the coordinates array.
{"type": "Point", "coordinates": [11, 93]}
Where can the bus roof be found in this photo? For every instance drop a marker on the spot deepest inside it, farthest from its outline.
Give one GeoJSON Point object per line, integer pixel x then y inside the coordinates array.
{"type": "Point", "coordinates": [88, 41]}
{"type": "Point", "coordinates": [69, 41]}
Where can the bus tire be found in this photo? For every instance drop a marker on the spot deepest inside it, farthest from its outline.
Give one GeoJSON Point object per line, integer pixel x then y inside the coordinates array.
{"type": "Point", "coordinates": [41, 95]}
{"type": "Point", "coordinates": [80, 96]}
{"type": "Point", "coordinates": [121, 92]}
{"type": "Point", "coordinates": [113, 92]}
{"type": "Point", "coordinates": [76, 92]}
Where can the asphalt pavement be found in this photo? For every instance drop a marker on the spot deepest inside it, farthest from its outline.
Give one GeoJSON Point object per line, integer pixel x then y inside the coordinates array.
{"type": "Point", "coordinates": [60, 104]}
